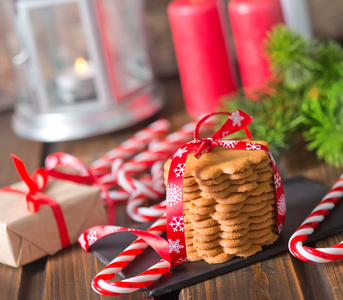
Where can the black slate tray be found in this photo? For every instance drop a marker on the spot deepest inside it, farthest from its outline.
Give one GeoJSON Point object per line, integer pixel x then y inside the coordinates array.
{"type": "Point", "coordinates": [302, 195]}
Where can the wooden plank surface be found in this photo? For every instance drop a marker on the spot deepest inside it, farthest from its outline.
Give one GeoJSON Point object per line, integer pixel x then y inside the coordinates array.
{"type": "Point", "coordinates": [14, 282]}
{"type": "Point", "coordinates": [75, 282]}
{"type": "Point", "coordinates": [68, 274]}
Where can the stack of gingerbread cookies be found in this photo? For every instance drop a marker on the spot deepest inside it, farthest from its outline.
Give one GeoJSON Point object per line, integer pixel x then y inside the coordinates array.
{"type": "Point", "coordinates": [229, 204]}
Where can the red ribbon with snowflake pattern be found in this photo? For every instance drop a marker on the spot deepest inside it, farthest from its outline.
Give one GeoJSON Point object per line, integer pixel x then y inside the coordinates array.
{"type": "Point", "coordinates": [175, 223]}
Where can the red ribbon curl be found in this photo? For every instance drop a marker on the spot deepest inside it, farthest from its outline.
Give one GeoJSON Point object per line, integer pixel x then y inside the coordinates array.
{"type": "Point", "coordinates": [84, 176]}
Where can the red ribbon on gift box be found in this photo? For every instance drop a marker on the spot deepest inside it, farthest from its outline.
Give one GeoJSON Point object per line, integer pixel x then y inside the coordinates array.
{"type": "Point", "coordinates": [174, 211]}
{"type": "Point", "coordinates": [83, 176]}
{"type": "Point", "coordinates": [35, 197]}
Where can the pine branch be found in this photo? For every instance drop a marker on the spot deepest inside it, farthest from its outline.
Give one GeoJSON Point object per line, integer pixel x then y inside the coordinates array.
{"type": "Point", "coordinates": [323, 117]}
{"type": "Point", "coordinates": [275, 120]}
{"type": "Point", "coordinates": [293, 58]}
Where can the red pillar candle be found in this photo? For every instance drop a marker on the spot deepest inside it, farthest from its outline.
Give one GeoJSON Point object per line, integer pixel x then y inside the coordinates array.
{"type": "Point", "coordinates": [250, 21]}
{"type": "Point", "coordinates": [202, 54]}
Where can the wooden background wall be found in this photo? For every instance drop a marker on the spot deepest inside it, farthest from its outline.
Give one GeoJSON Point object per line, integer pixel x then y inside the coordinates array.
{"type": "Point", "coordinates": [326, 17]}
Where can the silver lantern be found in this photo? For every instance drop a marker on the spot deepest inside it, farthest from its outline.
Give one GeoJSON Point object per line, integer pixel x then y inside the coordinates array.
{"type": "Point", "coordinates": [83, 68]}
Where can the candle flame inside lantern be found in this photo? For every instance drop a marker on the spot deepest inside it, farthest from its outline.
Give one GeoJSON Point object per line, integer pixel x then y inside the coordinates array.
{"type": "Point", "coordinates": [80, 65]}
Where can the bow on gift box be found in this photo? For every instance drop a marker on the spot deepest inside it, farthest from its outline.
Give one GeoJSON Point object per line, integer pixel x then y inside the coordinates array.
{"type": "Point", "coordinates": [35, 197]}
{"type": "Point", "coordinates": [172, 221]}
{"type": "Point", "coordinates": [84, 176]}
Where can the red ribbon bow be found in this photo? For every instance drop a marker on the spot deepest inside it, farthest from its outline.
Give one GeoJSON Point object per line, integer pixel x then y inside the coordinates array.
{"type": "Point", "coordinates": [84, 176]}
{"type": "Point", "coordinates": [35, 197]}
{"type": "Point", "coordinates": [240, 120]}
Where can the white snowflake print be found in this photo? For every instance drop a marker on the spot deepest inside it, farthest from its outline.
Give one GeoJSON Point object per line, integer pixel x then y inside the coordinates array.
{"type": "Point", "coordinates": [180, 152]}
{"type": "Point", "coordinates": [91, 237]}
{"type": "Point", "coordinates": [281, 208]}
{"type": "Point", "coordinates": [174, 246]}
{"type": "Point", "coordinates": [174, 194]}
{"type": "Point", "coordinates": [229, 143]}
{"type": "Point", "coordinates": [180, 170]}
{"type": "Point", "coordinates": [178, 225]}
{"type": "Point", "coordinates": [203, 152]}
{"type": "Point", "coordinates": [82, 241]}
{"type": "Point", "coordinates": [277, 180]}
{"type": "Point", "coordinates": [272, 160]}
{"type": "Point", "coordinates": [181, 260]}
{"type": "Point", "coordinates": [280, 228]}
{"type": "Point", "coordinates": [253, 146]}
{"type": "Point", "coordinates": [110, 229]}
{"type": "Point", "coordinates": [225, 133]}
{"type": "Point", "coordinates": [236, 118]}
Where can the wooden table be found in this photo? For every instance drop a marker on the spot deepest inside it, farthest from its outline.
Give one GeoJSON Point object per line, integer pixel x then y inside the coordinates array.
{"type": "Point", "coordinates": [68, 274]}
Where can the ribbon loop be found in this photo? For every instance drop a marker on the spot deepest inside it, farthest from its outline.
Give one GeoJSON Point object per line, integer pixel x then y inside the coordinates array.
{"type": "Point", "coordinates": [236, 121]}
{"type": "Point", "coordinates": [83, 176]}
{"type": "Point", "coordinates": [79, 172]}
{"type": "Point", "coordinates": [24, 175]}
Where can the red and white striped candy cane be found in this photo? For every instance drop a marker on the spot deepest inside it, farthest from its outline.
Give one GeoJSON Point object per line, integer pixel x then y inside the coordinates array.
{"type": "Point", "coordinates": [101, 282]}
{"type": "Point", "coordinates": [130, 184]}
{"type": "Point", "coordinates": [138, 190]}
{"type": "Point", "coordinates": [319, 255]}
{"type": "Point", "coordinates": [153, 183]}
{"type": "Point", "coordinates": [158, 151]}
{"type": "Point", "coordinates": [153, 189]}
{"type": "Point", "coordinates": [137, 143]}
{"type": "Point", "coordinates": [153, 212]}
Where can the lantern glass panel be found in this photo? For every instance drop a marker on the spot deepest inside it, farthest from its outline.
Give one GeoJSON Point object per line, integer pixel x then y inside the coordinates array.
{"type": "Point", "coordinates": [60, 51]}
{"type": "Point", "coordinates": [60, 43]}
{"type": "Point", "coordinates": [124, 44]}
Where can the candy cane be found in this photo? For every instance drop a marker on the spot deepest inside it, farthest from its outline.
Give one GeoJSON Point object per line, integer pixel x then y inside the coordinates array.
{"type": "Point", "coordinates": [137, 191]}
{"type": "Point", "coordinates": [319, 255]}
{"type": "Point", "coordinates": [152, 212]}
{"type": "Point", "coordinates": [130, 147]}
{"type": "Point", "coordinates": [101, 283]}
{"type": "Point", "coordinates": [153, 183]}
{"type": "Point", "coordinates": [157, 151]}
{"type": "Point", "coordinates": [156, 190]}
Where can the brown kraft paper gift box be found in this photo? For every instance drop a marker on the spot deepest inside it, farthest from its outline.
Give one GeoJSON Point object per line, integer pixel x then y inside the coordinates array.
{"type": "Point", "coordinates": [27, 236]}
